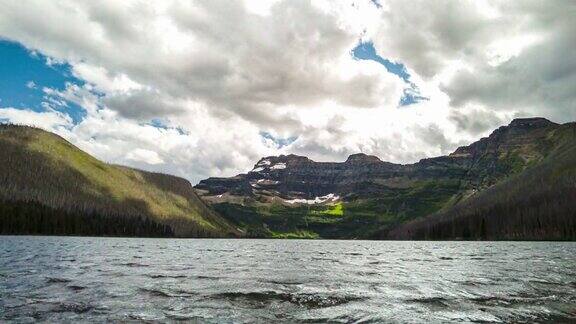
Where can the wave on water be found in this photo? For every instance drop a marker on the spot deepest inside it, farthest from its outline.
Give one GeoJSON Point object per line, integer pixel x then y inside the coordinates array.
{"type": "Point", "coordinates": [57, 280]}
{"type": "Point", "coordinates": [78, 308]}
{"type": "Point", "coordinates": [284, 282]}
{"type": "Point", "coordinates": [135, 265]}
{"type": "Point", "coordinates": [167, 293]}
{"type": "Point", "coordinates": [156, 292]}
{"type": "Point", "coordinates": [432, 301]}
{"type": "Point", "coordinates": [160, 276]}
{"type": "Point", "coordinates": [76, 287]}
{"type": "Point", "coordinates": [310, 301]}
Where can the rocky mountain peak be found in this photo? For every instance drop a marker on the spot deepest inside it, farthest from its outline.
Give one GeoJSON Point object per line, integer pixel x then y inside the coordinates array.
{"type": "Point", "coordinates": [531, 123]}
{"type": "Point", "coordinates": [520, 127]}
{"type": "Point", "coordinates": [279, 162]}
{"type": "Point", "coordinates": [520, 134]}
{"type": "Point", "coordinates": [362, 158]}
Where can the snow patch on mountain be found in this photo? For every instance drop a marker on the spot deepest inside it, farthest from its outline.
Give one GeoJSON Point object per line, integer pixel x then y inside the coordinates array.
{"type": "Point", "coordinates": [267, 182]}
{"type": "Point", "coordinates": [318, 200]}
{"type": "Point", "coordinates": [278, 166]}
{"type": "Point", "coordinates": [264, 163]}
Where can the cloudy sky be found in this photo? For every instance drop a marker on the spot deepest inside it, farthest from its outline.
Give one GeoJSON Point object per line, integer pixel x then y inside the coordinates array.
{"type": "Point", "coordinates": [205, 88]}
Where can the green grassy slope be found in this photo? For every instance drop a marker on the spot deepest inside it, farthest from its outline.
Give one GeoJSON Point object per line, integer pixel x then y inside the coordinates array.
{"type": "Point", "coordinates": [535, 204]}
{"type": "Point", "coordinates": [41, 169]}
{"type": "Point", "coordinates": [357, 219]}
{"type": "Point", "coordinates": [362, 218]}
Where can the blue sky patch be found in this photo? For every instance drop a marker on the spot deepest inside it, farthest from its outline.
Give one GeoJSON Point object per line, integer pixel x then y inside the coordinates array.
{"type": "Point", "coordinates": [377, 3]}
{"type": "Point", "coordinates": [25, 73]}
{"type": "Point", "coordinates": [162, 124]}
{"type": "Point", "coordinates": [366, 51]}
{"type": "Point", "coordinates": [158, 123]}
{"type": "Point", "coordinates": [411, 97]}
{"type": "Point", "coordinates": [280, 142]}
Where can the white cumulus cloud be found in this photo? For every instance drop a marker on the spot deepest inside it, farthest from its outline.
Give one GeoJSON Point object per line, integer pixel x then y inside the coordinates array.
{"type": "Point", "coordinates": [188, 87]}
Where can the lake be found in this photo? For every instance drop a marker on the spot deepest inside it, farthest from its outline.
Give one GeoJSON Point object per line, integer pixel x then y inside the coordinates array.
{"type": "Point", "coordinates": [122, 279]}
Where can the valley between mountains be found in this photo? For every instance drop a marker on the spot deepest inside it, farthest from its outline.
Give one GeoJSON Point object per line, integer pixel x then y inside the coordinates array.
{"type": "Point", "coordinates": [519, 183]}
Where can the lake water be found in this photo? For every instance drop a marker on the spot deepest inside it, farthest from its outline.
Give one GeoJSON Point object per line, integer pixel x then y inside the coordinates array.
{"type": "Point", "coordinates": [119, 279]}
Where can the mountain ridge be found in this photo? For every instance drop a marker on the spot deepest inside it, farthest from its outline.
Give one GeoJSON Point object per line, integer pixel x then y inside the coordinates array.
{"type": "Point", "coordinates": [49, 186]}
{"type": "Point", "coordinates": [271, 163]}
{"type": "Point", "coordinates": [370, 191]}
{"type": "Point", "coordinates": [530, 122]}
{"type": "Point", "coordinates": [544, 211]}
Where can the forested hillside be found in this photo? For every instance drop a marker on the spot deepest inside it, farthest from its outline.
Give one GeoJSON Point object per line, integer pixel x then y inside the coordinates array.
{"type": "Point", "coordinates": [537, 204]}
{"type": "Point", "coordinates": [48, 186]}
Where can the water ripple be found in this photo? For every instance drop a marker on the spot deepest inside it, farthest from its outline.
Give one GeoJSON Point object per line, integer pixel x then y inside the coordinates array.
{"type": "Point", "coordinates": [75, 279]}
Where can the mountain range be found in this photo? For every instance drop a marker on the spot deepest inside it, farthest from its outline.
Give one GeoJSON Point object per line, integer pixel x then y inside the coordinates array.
{"type": "Point", "coordinates": [519, 183]}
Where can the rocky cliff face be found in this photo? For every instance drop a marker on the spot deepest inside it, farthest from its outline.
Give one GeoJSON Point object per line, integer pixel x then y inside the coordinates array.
{"type": "Point", "coordinates": [293, 178]}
